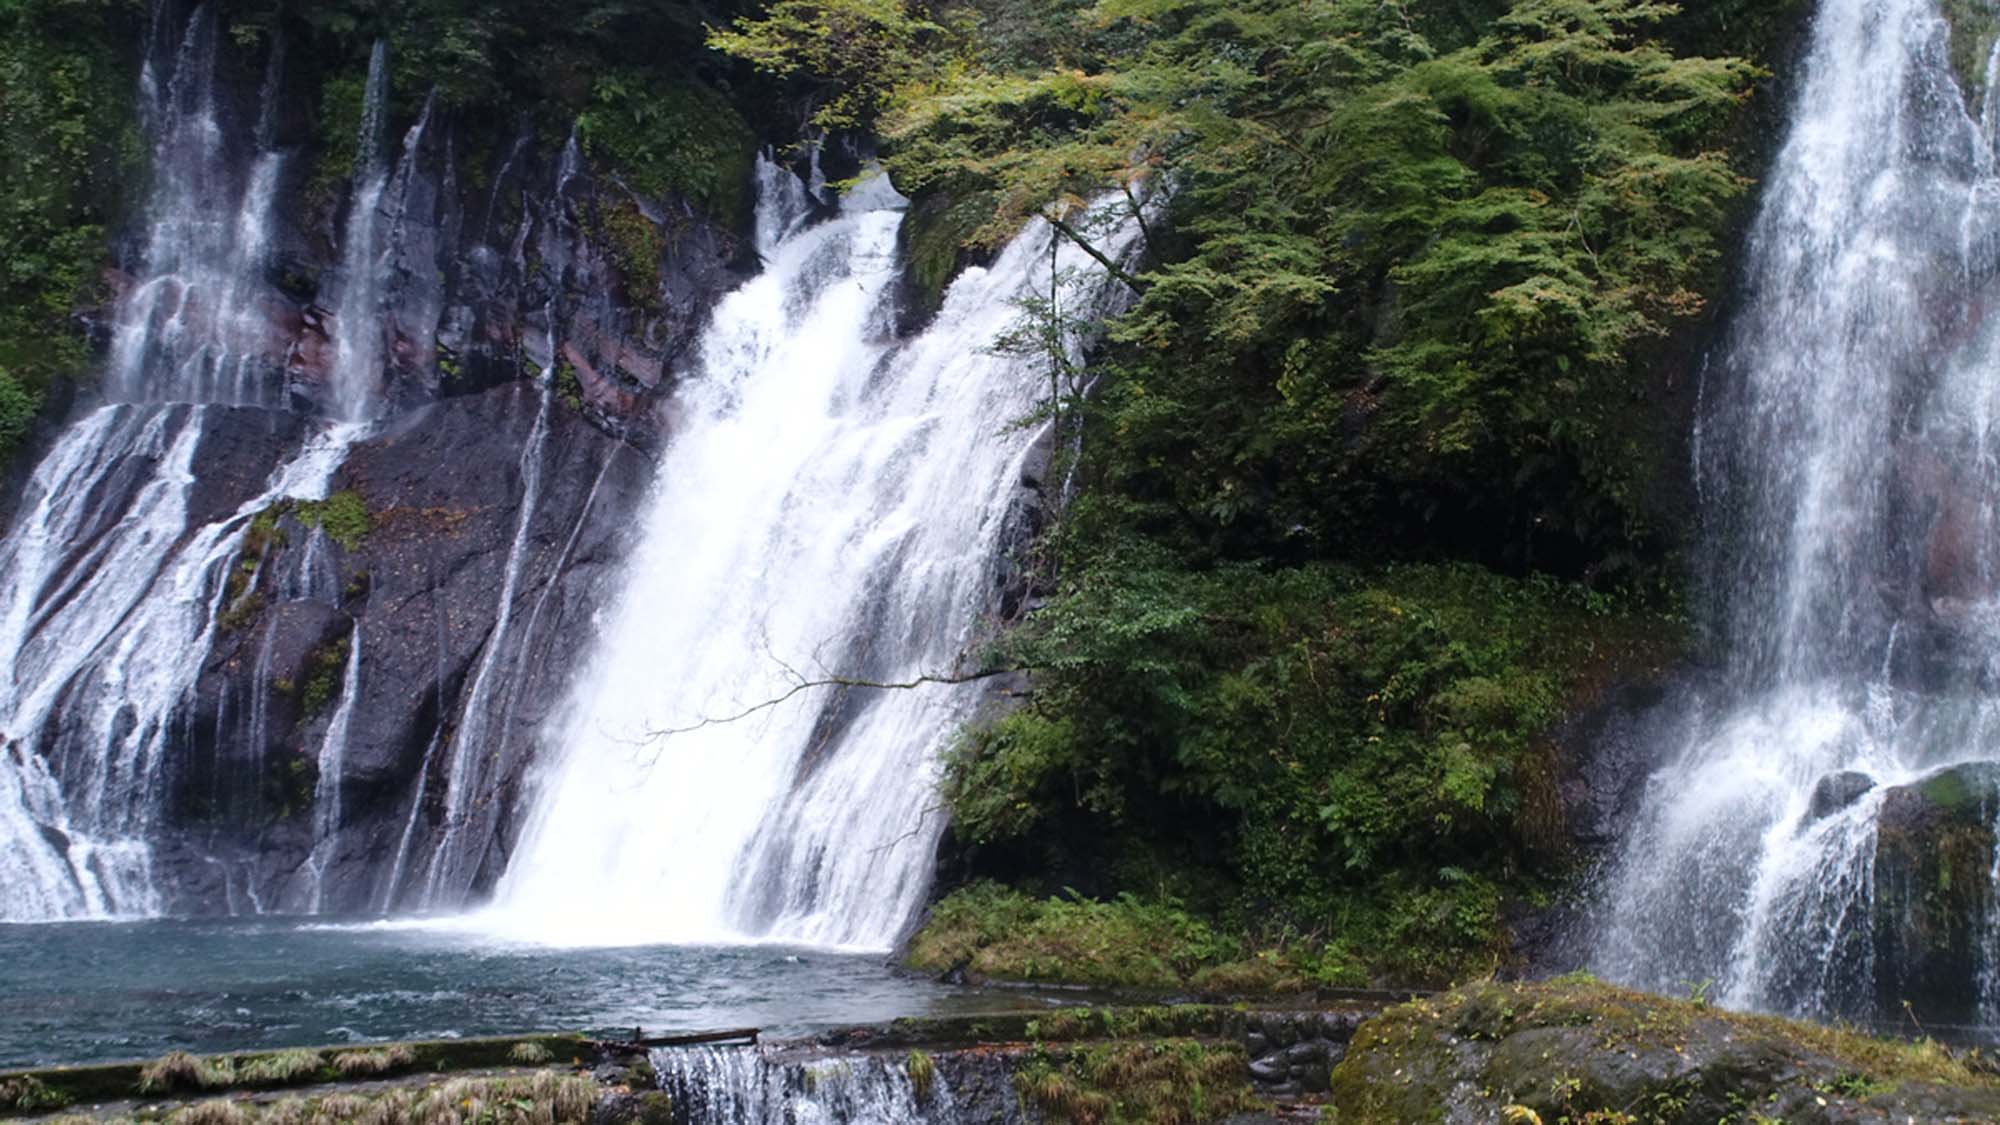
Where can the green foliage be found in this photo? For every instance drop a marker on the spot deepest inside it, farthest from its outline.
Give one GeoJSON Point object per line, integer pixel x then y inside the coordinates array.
{"type": "Point", "coordinates": [1409, 262]}
{"type": "Point", "coordinates": [1390, 422]}
{"type": "Point", "coordinates": [1973, 28]}
{"type": "Point", "coordinates": [375, 1062]}
{"type": "Point", "coordinates": [72, 145]}
{"type": "Point", "coordinates": [992, 932]}
{"type": "Point", "coordinates": [854, 51]}
{"type": "Point", "coordinates": [29, 1094]}
{"type": "Point", "coordinates": [635, 80]}
{"type": "Point", "coordinates": [179, 1070]}
{"type": "Point", "coordinates": [281, 1068]}
{"type": "Point", "coordinates": [1356, 756]}
{"type": "Point", "coordinates": [1000, 933]}
{"type": "Point", "coordinates": [18, 406]}
{"type": "Point", "coordinates": [666, 137]}
{"type": "Point", "coordinates": [530, 1054]}
{"type": "Point", "coordinates": [569, 385]}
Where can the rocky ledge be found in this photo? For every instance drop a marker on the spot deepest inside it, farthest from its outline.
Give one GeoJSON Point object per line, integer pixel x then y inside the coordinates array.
{"type": "Point", "coordinates": [1568, 1050]}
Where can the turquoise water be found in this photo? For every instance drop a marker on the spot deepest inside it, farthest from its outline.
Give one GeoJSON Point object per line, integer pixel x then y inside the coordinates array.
{"type": "Point", "coordinates": [77, 992]}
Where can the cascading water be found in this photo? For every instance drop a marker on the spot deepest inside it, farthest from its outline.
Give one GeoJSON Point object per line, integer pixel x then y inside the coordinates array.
{"type": "Point", "coordinates": [357, 353]}
{"type": "Point", "coordinates": [751, 1086]}
{"type": "Point", "coordinates": [111, 582]}
{"type": "Point", "coordinates": [1851, 470]}
{"type": "Point", "coordinates": [832, 503]}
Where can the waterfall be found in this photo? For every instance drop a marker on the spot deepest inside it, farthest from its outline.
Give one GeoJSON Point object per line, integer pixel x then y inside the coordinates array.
{"type": "Point", "coordinates": [332, 760]}
{"type": "Point", "coordinates": [831, 504]}
{"type": "Point", "coordinates": [752, 1086]}
{"type": "Point", "coordinates": [1850, 472]}
{"type": "Point", "coordinates": [193, 329]}
{"type": "Point", "coordinates": [357, 353]}
{"type": "Point", "coordinates": [114, 588]}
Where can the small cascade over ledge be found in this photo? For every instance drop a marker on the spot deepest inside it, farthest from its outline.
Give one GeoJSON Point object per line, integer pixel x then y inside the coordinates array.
{"type": "Point", "coordinates": [1791, 851]}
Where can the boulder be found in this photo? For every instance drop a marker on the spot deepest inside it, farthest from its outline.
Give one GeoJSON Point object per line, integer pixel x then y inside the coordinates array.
{"type": "Point", "coordinates": [1933, 906]}
{"type": "Point", "coordinates": [1835, 792]}
{"type": "Point", "coordinates": [1579, 1050]}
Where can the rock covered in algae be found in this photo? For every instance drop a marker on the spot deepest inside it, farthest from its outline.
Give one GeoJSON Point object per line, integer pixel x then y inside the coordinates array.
{"type": "Point", "coordinates": [1573, 1047]}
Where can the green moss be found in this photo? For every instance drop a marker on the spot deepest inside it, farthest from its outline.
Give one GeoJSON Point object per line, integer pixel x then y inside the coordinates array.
{"type": "Point", "coordinates": [242, 609]}
{"type": "Point", "coordinates": [637, 247]}
{"type": "Point", "coordinates": [323, 670]}
{"type": "Point", "coordinates": [569, 388]}
{"type": "Point", "coordinates": [344, 516]}
{"type": "Point", "coordinates": [922, 1072]}
{"type": "Point", "coordinates": [1164, 1081]}
{"type": "Point", "coordinates": [1974, 27]}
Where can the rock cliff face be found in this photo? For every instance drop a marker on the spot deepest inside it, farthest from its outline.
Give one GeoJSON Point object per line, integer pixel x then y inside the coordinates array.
{"type": "Point", "coordinates": [415, 601]}
{"type": "Point", "coordinates": [381, 660]}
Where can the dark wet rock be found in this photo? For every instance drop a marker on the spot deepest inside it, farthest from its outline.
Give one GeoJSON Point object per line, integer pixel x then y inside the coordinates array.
{"type": "Point", "coordinates": [1605, 754]}
{"type": "Point", "coordinates": [443, 486]}
{"type": "Point", "coordinates": [1933, 906]}
{"type": "Point", "coordinates": [982, 1086]}
{"type": "Point", "coordinates": [634, 1107]}
{"type": "Point", "coordinates": [1835, 792]}
{"type": "Point", "coordinates": [1269, 1069]}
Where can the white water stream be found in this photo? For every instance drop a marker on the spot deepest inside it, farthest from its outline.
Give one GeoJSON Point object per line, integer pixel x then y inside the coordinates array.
{"type": "Point", "coordinates": [1852, 469]}
{"type": "Point", "coordinates": [112, 593]}
{"type": "Point", "coordinates": [831, 504]}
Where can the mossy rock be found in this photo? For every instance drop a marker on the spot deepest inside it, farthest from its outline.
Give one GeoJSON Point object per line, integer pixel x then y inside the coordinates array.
{"type": "Point", "coordinates": [935, 234]}
{"type": "Point", "coordinates": [1974, 25]}
{"type": "Point", "coordinates": [1574, 1047]}
{"type": "Point", "coordinates": [1933, 899]}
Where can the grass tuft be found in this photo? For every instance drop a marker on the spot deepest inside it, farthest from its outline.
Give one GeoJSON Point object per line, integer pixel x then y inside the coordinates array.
{"type": "Point", "coordinates": [531, 1054]}
{"type": "Point", "coordinates": [217, 1112]}
{"type": "Point", "coordinates": [367, 1064]}
{"type": "Point", "coordinates": [284, 1068]}
{"type": "Point", "coordinates": [922, 1070]}
{"type": "Point", "coordinates": [179, 1070]}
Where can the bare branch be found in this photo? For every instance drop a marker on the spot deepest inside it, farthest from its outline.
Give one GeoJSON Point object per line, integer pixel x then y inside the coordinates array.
{"type": "Point", "coordinates": [830, 681]}
{"type": "Point", "coordinates": [1063, 227]}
